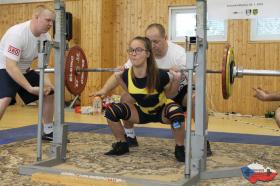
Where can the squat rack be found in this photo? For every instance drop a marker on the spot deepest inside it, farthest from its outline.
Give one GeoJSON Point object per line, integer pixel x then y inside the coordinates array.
{"type": "Point", "coordinates": [195, 142]}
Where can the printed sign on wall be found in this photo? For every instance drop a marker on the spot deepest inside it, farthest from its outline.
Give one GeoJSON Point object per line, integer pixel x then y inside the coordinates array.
{"type": "Point", "coordinates": [242, 9]}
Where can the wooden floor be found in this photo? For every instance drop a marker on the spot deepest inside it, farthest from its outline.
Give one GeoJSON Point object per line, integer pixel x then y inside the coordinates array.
{"type": "Point", "coordinates": [19, 116]}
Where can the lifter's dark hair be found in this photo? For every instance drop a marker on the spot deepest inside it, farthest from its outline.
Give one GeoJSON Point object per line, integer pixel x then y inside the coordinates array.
{"type": "Point", "coordinates": [152, 69]}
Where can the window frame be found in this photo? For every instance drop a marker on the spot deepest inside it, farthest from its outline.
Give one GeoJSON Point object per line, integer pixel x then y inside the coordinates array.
{"type": "Point", "coordinates": [190, 9]}
{"type": "Point", "coordinates": [172, 24]}
{"type": "Point", "coordinates": [264, 38]}
{"type": "Point", "coordinates": [220, 38]}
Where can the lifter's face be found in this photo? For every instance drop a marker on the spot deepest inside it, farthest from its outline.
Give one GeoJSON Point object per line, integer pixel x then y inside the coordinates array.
{"type": "Point", "coordinates": [159, 43]}
{"type": "Point", "coordinates": [138, 54]}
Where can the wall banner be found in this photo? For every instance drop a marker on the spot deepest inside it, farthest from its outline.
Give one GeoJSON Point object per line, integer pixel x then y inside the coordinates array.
{"type": "Point", "coordinates": [243, 9]}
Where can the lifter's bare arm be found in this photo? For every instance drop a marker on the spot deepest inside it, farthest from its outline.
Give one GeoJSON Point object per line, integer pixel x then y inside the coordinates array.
{"type": "Point", "coordinates": [263, 95]}
{"type": "Point", "coordinates": [119, 80]}
{"type": "Point", "coordinates": [15, 73]}
{"type": "Point", "coordinates": [109, 85]}
{"type": "Point", "coordinates": [171, 90]}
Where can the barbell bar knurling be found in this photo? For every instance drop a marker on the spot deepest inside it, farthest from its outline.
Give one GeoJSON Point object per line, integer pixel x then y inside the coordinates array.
{"type": "Point", "coordinates": [98, 70]}
{"type": "Point", "coordinates": [51, 70]}
{"type": "Point", "coordinates": [46, 70]}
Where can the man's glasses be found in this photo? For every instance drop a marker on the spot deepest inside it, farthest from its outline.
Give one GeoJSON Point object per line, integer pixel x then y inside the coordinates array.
{"type": "Point", "coordinates": [137, 50]}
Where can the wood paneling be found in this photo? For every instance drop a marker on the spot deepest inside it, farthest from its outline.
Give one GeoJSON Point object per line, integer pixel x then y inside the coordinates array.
{"type": "Point", "coordinates": [107, 57]}
{"type": "Point", "coordinates": [103, 28]}
{"type": "Point", "coordinates": [91, 42]}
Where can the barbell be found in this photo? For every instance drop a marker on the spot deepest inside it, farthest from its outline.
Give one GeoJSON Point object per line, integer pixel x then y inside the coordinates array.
{"type": "Point", "coordinates": [76, 71]}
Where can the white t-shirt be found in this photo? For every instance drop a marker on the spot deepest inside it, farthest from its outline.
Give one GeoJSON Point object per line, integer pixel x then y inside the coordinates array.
{"type": "Point", "coordinates": [20, 45]}
{"type": "Point", "coordinates": [175, 56]}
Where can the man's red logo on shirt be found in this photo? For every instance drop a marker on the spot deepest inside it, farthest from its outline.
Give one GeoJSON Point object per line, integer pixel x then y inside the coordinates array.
{"type": "Point", "coordinates": [14, 50]}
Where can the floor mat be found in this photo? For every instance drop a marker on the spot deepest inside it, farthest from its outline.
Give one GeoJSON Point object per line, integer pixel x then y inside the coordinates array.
{"type": "Point", "coordinates": [28, 132]}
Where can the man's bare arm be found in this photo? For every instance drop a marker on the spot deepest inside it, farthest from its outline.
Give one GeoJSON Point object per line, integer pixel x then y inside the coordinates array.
{"type": "Point", "coordinates": [17, 76]}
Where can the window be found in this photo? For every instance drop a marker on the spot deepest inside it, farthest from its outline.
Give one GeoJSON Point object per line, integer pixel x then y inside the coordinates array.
{"type": "Point", "coordinates": [182, 22]}
{"type": "Point", "coordinates": [217, 30]}
{"type": "Point", "coordinates": [265, 29]}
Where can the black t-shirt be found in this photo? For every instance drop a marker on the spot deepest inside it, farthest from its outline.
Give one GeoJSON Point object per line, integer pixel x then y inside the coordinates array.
{"type": "Point", "coordinates": [143, 99]}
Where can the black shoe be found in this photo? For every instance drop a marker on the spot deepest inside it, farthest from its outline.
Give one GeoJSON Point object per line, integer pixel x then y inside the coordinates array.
{"type": "Point", "coordinates": [132, 142]}
{"type": "Point", "coordinates": [119, 148]}
{"type": "Point", "coordinates": [180, 153]}
{"type": "Point", "coordinates": [47, 137]}
{"type": "Point", "coordinates": [209, 151]}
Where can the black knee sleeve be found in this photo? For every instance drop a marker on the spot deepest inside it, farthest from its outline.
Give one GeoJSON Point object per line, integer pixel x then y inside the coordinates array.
{"type": "Point", "coordinates": [118, 111]}
{"type": "Point", "coordinates": [174, 113]}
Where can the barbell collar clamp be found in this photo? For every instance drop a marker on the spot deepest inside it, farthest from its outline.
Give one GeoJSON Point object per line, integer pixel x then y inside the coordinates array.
{"type": "Point", "coordinates": [238, 72]}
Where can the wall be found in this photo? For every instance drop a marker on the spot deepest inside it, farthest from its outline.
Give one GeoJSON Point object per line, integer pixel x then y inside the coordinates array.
{"type": "Point", "coordinates": [103, 29]}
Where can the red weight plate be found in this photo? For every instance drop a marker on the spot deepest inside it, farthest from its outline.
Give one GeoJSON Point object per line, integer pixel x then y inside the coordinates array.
{"type": "Point", "coordinates": [75, 81]}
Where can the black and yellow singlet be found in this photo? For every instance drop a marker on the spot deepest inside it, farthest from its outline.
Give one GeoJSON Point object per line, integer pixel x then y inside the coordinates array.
{"type": "Point", "coordinates": [151, 103]}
